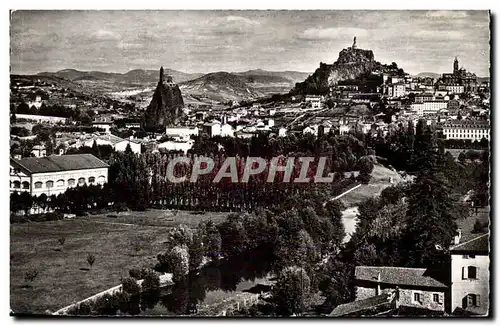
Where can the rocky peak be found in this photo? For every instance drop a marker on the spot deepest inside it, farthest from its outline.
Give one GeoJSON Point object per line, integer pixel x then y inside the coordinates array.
{"type": "Point", "coordinates": [166, 105]}
{"type": "Point", "coordinates": [352, 63]}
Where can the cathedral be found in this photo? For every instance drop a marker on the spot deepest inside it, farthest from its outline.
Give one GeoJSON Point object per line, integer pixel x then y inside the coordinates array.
{"type": "Point", "coordinates": [459, 76]}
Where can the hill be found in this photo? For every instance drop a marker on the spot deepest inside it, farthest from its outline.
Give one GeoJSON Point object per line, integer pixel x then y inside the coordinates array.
{"type": "Point", "coordinates": [353, 66]}
{"type": "Point", "coordinates": [136, 76]}
{"type": "Point", "coordinates": [292, 76]}
{"type": "Point", "coordinates": [428, 74]}
{"type": "Point", "coordinates": [224, 86]}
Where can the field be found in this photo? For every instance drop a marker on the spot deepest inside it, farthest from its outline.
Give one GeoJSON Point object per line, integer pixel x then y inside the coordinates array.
{"type": "Point", "coordinates": [130, 240]}
{"type": "Point", "coordinates": [380, 179]}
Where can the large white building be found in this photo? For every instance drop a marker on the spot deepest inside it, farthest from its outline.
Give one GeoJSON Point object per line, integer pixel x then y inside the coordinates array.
{"type": "Point", "coordinates": [474, 130]}
{"type": "Point", "coordinates": [53, 175]}
{"type": "Point", "coordinates": [470, 275]}
{"type": "Point", "coordinates": [118, 144]}
{"type": "Point", "coordinates": [181, 132]}
{"type": "Point", "coordinates": [315, 101]}
{"type": "Point", "coordinates": [429, 107]}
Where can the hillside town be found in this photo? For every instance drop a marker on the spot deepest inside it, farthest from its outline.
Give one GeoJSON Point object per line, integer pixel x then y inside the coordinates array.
{"type": "Point", "coordinates": [409, 159]}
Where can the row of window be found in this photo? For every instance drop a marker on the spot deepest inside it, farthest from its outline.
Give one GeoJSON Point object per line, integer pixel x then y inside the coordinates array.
{"type": "Point", "coordinates": [468, 131]}
{"type": "Point", "coordinates": [60, 183]}
{"type": "Point", "coordinates": [436, 297]}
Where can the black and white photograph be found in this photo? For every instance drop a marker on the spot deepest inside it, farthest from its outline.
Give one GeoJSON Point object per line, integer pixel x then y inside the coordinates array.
{"type": "Point", "coordinates": [250, 163]}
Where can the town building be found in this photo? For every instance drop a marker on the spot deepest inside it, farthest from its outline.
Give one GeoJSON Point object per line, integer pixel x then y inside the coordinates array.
{"type": "Point", "coordinates": [429, 107]}
{"type": "Point", "coordinates": [41, 118]}
{"type": "Point", "coordinates": [103, 123]}
{"type": "Point", "coordinates": [470, 276]}
{"type": "Point", "coordinates": [53, 175]}
{"type": "Point", "coordinates": [181, 132]}
{"type": "Point", "coordinates": [314, 100]}
{"type": "Point", "coordinates": [211, 129]}
{"type": "Point", "coordinates": [460, 76]}
{"type": "Point", "coordinates": [417, 287]}
{"type": "Point", "coordinates": [118, 144]}
{"type": "Point", "coordinates": [474, 130]}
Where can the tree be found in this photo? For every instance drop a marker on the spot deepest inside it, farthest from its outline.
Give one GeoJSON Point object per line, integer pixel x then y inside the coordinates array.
{"type": "Point", "coordinates": [431, 224]}
{"type": "Point", "coordinates": [90, 260]}
{"type": "Point", "coordinates": [196, 251]}
{"type": "Point", "coordinates": [26, 202]}
{"type": "Point", "coordinates": [290, 291]}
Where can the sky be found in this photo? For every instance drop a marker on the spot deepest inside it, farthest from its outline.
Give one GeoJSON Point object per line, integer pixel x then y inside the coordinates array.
{"type": "Point", "coordinates": [209, 41]}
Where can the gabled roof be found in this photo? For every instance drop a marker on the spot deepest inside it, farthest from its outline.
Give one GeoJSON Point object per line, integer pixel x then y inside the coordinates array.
{"type": "Point", "coordinates": [400, 276]}
{"type": "Point", "coordinates": [60, 163]}
{"type": "Point", "coordinates": [478, 245]}
{"type": "Point", "coordinates": [360, 305]}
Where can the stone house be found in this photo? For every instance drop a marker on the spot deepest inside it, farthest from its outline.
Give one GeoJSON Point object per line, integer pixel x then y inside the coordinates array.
{"type": "Point", "coordinates": [417, 287]}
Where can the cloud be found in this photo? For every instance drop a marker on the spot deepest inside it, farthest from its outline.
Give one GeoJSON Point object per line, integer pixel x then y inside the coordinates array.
{"type": "Point", "coordinates": [127, 45]}
{"type": "Point", "coordinates": [104, 35]}
{"type": "Point", "coordinates": [440, 34]}
{"type": "Point", "coordinates": [332, 33]}
{"type": "Point", "coordinates": [447, 14]}
{"type": "Point", "coordinates": [232, 25]}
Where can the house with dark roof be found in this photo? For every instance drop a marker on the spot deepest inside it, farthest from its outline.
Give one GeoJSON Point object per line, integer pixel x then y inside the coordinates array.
{"type": "Point", "coordinates": [372, 306]}
{"type": "Point", "coordinates": [470, 276]}
{"type": "Point", "coordinates": [416, 287]}
{"type": "Point", "coordinates": [53, 175]}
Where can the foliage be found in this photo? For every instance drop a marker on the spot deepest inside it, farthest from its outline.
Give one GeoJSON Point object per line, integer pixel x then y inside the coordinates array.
{"type": "Point", "coordinates": [290, 291]}
{"type": "Point", "coordinates": [90, 259]}
{"type": "Point", "coordinates": [130, 286]}
{"type": "Point", "coordinates": [31, 275]}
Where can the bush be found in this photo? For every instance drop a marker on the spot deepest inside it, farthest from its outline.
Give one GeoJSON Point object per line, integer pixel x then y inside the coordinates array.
{"type": "Point", "coordinates": [136, 273]}
{"type": "Point", "coordinates": [151, 281]}
{"type": "Point", "coordinates": [130, 286]}
{"type": "Point", "coordinates": [61, 241]}
{"type": "Point", "coordinates": [30, 275]}
{"type": "Point", "coordinates": [90, 259]}
{"type": "Point", "coordinates": [106, 305]}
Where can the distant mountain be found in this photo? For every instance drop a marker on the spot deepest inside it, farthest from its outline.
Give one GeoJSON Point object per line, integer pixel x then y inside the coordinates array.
{"type": "Point", "coordinates": [293, 76]}
{"type": "Point", "coordinates": [137, 76]}
{"type": "Point", "coordinates": [249, 85]}
{"type": "Point", "coordinates": [428, 75]}
{"type": "Point", "coordinates": [222, 86]}
{"type": "Point", "coordinates": [217, 86]}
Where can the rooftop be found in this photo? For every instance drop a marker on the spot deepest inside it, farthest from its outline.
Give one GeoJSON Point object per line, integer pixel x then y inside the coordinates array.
{"type": "Point", "coordinates": [478, 245]}
{"type": "Point", "coordinates": [60, 163]}
{"type": "Point", "coordinates": [398, 276]}
{"type": "Point", "coordinates": [360, 305]}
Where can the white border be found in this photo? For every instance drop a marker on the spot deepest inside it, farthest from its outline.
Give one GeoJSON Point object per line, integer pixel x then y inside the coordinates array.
{"type": "Point", "coordinates": [192, 4]}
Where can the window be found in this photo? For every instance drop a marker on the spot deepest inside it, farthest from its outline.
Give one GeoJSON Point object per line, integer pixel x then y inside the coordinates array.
{"type": "Point", "coordinates": [26, 185]}
{"type": "Point", "coordinates": [437, 298]}
{"type": "Point", "coordinates": [101, 180]}
{"type": "Point", "coordinates": [91, 180]}
{"type": "Point", "coordinates": [469, 272]}
{"type": "Point", "coordinates": [417, 297]}
{"type": "Point", "coordinates": [49, 184]}
{"type": "Point", "coordinates": [81, 181]}
{"type": "Point", "coordinates": [71, 182]}
{"type": "Point", "coordinates": [60, 183]}
{"type": "Point", "coordinates": [472, 300]}
{"type": "Point", "coordinates": [17, 184]}
{"type": "Point", "coordinates": [472, 272]}
{"type": "Point", "coordinates": [38, 185]}
{"type": "Point", "coordinates": [468, 256]}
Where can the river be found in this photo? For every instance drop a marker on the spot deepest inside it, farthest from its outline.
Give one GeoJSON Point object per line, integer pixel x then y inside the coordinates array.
{"type": "Point", "coordinates": [349, 220]}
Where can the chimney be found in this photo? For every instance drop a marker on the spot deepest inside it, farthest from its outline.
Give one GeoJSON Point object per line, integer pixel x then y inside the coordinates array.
{"type": "Point", "coordinates": [458, 237]}
{"type": "Point", "coordinates": [378, 284]}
